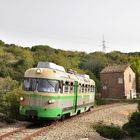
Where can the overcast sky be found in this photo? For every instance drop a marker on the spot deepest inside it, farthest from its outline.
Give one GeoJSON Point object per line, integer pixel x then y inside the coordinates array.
{"type": "Point", "coordinates": [72, 24]}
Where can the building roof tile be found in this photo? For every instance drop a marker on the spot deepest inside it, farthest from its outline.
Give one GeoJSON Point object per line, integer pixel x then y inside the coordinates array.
{"type": "Point", "coordinates": [115, 68]}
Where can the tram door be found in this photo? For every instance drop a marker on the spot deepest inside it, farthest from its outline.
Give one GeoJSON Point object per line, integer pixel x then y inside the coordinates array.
{"type": "Point", "coordinates": [75, 95]}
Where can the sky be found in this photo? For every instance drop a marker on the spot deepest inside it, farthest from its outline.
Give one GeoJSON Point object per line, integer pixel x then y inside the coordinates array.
{"type": "Point", "coordinates": [72, 24]}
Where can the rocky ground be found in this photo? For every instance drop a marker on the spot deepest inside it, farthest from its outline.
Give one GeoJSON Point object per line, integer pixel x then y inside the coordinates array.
{"type": "Point", "coordinates": [81, 128]}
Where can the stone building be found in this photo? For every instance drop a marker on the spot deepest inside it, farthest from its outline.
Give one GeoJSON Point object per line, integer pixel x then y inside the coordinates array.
{"type": "Point", "coordinates": [118, 82]}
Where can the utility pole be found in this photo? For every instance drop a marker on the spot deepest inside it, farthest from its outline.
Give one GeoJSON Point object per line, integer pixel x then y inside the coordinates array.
{"type": "Point", "coordinates": [103, 45]}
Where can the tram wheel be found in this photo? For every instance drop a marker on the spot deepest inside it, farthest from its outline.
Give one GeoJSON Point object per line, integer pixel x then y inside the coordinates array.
{"type": "Point", "coordinates": [62, 118]}
{"type": "Point", "coordinates": [89, 109]}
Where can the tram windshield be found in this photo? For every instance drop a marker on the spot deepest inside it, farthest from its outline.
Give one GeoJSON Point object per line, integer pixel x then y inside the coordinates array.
{"type": "Point", "coordinates": [41, 85]}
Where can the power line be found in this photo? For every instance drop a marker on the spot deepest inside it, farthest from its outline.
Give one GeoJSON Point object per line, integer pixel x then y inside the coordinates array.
{"type": "Point", "coordinates": [103, 44]}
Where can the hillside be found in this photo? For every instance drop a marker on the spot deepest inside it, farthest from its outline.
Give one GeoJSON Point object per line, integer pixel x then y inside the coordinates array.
{"type": "Point", "coordinates": [15, 60]}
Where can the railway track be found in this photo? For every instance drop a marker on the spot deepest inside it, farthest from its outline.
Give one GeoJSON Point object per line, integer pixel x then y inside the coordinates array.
{"type": "Point", "coordinates": [30, 131]}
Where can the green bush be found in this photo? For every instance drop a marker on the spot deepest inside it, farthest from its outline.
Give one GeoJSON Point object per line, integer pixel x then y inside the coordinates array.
{"type": "Point", "coordinates": [100, 101]}
{"type": "Point", "coordinates": [111, 132]}
{"type": "Point", "coordinates": [9, 99]}
{"type": "Point", "coordinates": [133, 126]}
{"type": "Point", "coordinates": [12, 104]}
{"type": "Point", "coordinates": [103, 101]}
{"type": "Point", "coordinates": [139, 105]}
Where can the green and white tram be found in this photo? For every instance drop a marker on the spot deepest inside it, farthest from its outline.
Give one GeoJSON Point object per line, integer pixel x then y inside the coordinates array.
{"type": "Point", "coordinates": [49, 92]}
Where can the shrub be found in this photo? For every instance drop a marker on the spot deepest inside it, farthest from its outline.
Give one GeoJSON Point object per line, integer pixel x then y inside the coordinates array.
{"type": "Point", "coordinates": [133, 126]}
{"type": "Point", "coordinates": [7, 85]}
{"type": "Point", "coordinates": [139, 105]}
{"type": "Point", "coordinates": [12, 104]}
{"type": "Point", "coordinates": [9, 98]}
{"type": "Point", "coordinates": [111, 132]}
{"type": "Point", "coordinates": [99, 100]}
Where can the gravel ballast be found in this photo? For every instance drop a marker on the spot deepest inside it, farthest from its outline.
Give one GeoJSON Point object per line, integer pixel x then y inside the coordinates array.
{"type": "Point", "coordinates": [81, 128]}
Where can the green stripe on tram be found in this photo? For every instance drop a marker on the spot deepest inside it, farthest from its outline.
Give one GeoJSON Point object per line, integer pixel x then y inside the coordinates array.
{"type": "Point", "coordinates": [54, 97]}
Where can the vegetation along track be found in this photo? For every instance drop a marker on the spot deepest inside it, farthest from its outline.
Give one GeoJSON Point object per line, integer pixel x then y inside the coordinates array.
{"type": "Point", "coordinates": [30, 131]}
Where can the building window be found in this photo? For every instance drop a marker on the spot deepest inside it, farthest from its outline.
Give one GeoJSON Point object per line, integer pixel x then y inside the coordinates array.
{"type": "Point", "coordinates": [104, 87]}
{"type": "Point", "coordinates": [129, 77]}
{"type": "Point", "coordinates": [120, 80]}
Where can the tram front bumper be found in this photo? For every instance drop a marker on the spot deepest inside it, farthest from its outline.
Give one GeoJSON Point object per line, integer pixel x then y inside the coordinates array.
{"type": "Point", "coordinates": [40, 112]}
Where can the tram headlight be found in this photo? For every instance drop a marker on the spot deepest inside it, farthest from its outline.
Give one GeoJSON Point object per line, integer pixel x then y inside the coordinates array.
{"type": "Point", "coordinates": [39, 71]}
{"type": "Point", "coordinates": [51, 101]}
{"type": "Point", "coordinates": [21, 98]}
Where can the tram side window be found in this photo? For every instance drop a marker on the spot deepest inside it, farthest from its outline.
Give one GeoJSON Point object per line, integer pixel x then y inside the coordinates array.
{"type": "Point", "coordinates": [83, 89]}
{"type": "Point", "coordinates": [57, 86]}
{"type": "Point", "coordinates": [79, 88]}
{"type": "Point", "coordinates": [86, 89]}
{"type": "Point", "coordinates": [60, 90]}
{"type": "Point", "coordinates": [66, 87]}
{"type": "Point", "coordinates": [92, 88]}
{"type": "Point", "coordinates": [71, 88]}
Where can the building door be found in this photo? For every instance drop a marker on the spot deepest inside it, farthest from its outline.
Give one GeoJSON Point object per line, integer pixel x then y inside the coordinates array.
{"type": "Point", "coordinates": [131, 96]}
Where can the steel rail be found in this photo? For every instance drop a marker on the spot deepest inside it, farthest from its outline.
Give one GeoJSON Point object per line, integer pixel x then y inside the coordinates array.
{"type": "Point", "coordinates": [12, 132]}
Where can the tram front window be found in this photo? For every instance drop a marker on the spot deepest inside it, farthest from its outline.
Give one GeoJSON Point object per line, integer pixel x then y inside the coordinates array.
{"type": "Point", "coordinates": [30, 84]}
{"type": "Point", "coordinates": [41, 85]}
{"type": "Point", "coordinates": [45, 85]}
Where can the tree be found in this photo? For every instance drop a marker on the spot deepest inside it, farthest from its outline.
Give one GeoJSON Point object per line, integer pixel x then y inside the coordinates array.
{"type": "Point", "coordinates": [9, 97]}
{"type": "Point", "coordinates": [2, 43]}
{"type": "Point", "coordinates": [117, 57]}
{"type": "Point", "coordinates": [135, 63]}
{"type": "Point", "coordinates": [95, 63]}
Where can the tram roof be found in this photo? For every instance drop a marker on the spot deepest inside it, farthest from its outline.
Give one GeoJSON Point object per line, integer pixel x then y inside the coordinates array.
{"type": "Point", "coordinates": [56, 74]}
